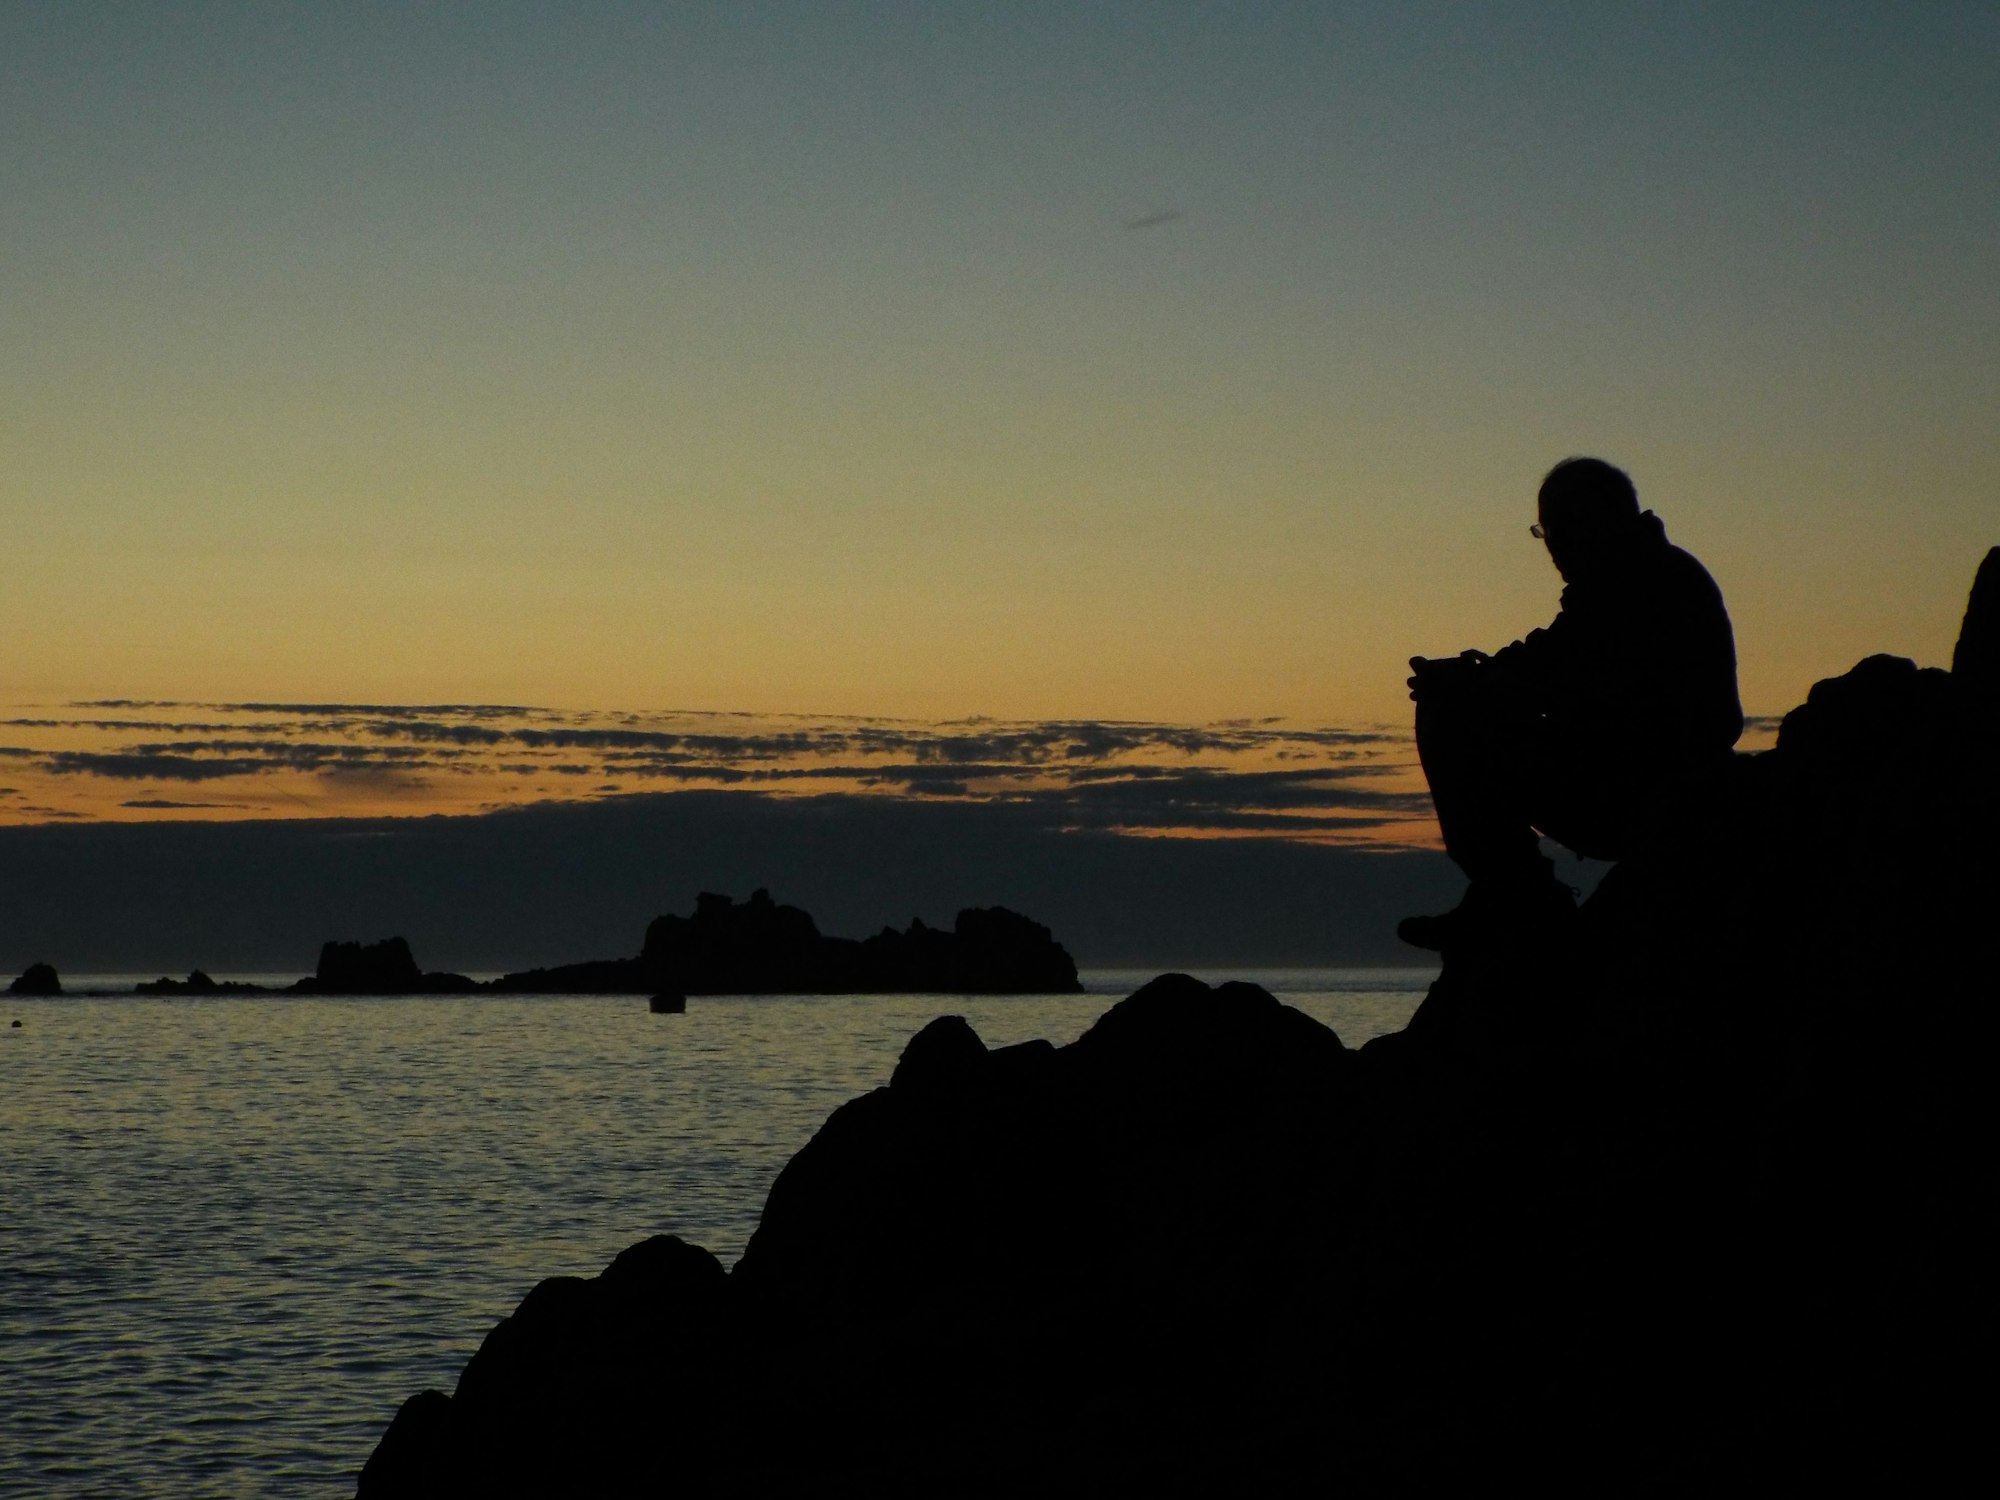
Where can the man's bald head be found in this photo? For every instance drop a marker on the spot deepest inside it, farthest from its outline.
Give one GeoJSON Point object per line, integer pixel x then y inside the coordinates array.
{"type": "Point", "coordinates": [1587, 508]}
{"type": "Point", "coordinates": [1587, 493]}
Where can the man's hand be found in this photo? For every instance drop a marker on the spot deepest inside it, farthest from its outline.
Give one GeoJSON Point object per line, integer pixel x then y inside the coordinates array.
{"type": "Point", "coordinates": [1434, 677]}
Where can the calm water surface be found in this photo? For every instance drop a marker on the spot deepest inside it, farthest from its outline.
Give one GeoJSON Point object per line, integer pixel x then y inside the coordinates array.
{"type": "Point", "coordinates": [236, 1233]}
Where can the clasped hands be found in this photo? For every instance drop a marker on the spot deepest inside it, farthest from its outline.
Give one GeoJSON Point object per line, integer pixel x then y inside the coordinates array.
{"type": "Point", "coordinates": [1435, 676]}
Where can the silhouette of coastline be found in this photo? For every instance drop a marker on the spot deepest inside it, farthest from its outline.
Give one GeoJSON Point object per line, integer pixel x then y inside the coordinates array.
{"type": "Point", "coordinates": [1699, 1188]}
{"type": "Point", "coordinates": [756, 947]}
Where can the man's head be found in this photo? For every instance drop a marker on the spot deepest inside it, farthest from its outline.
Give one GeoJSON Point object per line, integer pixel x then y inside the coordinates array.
{"type": "Point", "coordinates": [1588, 512]}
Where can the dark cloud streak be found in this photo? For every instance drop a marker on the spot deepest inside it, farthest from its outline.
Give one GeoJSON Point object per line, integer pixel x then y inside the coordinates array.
{"type": "Point", "coordinates": [1120, 776]}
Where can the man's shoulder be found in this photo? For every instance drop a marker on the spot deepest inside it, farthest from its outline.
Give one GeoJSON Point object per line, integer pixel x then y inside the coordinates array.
{"type": "Point", "coordinates": [1685, 569]}
{"type": "Point", "coordinates": [1675, 568]}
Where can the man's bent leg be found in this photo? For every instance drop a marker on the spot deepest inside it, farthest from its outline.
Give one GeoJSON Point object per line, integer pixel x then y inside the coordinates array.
{"type": "Point", "coordinates": [1476, 755]}
{"type": "Point", "coordinates": [1480, 757]}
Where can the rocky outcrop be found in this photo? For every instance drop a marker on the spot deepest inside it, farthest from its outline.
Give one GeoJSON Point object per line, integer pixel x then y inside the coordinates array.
{"type": "Point", "coordinates": [198, 983]}
{"type": "Point", "coordinates": [599, 976]}
{"type": "Point", "coordinates": [942, 1280]}
{"type": "Point", "coordinates": [37, 979]}
{"type": "Point", "coordinates": [758, 947]}
{"type": "Point", "coordinates": [382, 968]}
{"type": "Point", "coordinates": [1700, 1185]}
{"type": "Point", "coordinates": [633, 1366]}
{"type": "Point", "coordinates": [1976, 659]}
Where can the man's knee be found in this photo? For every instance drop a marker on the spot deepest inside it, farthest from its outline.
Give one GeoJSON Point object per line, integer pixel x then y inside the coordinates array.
{"type": "Point", "coordinates": [1473, 720]}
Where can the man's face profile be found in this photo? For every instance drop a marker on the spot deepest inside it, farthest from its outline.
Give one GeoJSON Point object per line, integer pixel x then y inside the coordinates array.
{"type": "Point", "coordinates": [1551, 530]}
{"type": "Point", "coordinates": [1580, 535]}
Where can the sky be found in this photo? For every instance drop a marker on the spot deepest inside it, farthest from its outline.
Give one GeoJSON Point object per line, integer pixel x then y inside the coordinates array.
{"type": "Point", "coordinates": [1168, 364]}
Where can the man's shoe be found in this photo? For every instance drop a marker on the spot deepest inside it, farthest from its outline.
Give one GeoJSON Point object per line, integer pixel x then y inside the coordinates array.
{"type": "Point", "coordinates": [1492, 910]}
{"type": "Point", "coordinates": [1431, 932]}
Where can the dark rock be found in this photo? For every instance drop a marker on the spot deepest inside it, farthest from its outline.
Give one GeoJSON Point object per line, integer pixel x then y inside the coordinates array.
{"type": "Point", "coordinates": [1001, 951]}
{"type": "Point", "coordinates": [608, 976]}
{"type": "Point", "coordinates": [981, 1244]}
{"type": "Point", "coordinates": [199, 983]}
{"type": "Point", "coordinates": [1698, 1186]}
{"type": "Point", "coordinates": [947, 1054]}
{"type": "Point", "coordinates": [620, 1384]}
{"type": "Point", "coordinates": [422, 1453]}
{"type": "Point", "coordinates": [1017, 1216]}
{"type": "Point", "coordinates": [1975, 660]}
{"type": "Point", "coordinates": [37, 979]}
{"type": "Point", "coordinates": [758, 947]}
{"type": "Point", "coordinates": [668, 1003]}
{"type": "Point", "coordinates": [382, 968]}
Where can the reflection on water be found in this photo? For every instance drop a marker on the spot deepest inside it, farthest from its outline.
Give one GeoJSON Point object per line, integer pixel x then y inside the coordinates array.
{"type": "Point", "coordinates": [238, 1232]}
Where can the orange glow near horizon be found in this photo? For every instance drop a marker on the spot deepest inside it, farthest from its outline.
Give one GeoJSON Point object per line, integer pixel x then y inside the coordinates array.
{"type": "Point", "coordinates": [126, 761]}
{"type": "Point", "coordinates": [121, 761]}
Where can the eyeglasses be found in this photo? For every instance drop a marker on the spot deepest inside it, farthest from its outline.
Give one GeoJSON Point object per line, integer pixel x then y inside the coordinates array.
{"type": "Point", "coordinates": [1539, 532]}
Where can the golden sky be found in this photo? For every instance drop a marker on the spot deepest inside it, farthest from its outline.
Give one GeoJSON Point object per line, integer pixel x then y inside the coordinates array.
{"type": "Point", "coordinates": [127, 761]}
{"type": "Point", "coordinates": [805, 361]}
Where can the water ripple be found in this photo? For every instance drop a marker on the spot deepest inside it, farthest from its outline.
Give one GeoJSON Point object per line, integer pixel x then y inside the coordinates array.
{"type": "Point", "coordinates": [239, 1231]}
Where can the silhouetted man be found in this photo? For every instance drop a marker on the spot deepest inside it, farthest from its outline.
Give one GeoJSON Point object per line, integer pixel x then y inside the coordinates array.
{"type": "Point", "coordinates": [1581, 729]}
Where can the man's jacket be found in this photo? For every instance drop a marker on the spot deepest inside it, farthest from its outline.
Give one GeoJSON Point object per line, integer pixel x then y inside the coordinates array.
{"type": "Point", "coordinates": [1639, 665]}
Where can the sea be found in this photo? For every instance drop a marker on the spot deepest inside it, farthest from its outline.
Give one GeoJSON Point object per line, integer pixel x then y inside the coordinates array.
{"type": "Point", "coordinates": [236, 1232]}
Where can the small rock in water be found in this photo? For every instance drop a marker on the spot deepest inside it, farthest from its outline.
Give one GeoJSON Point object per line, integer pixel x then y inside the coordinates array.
{"type": "Point", "coordinates": [668, 1003]}
{"type": "Point", "coordinates": [37, 979]}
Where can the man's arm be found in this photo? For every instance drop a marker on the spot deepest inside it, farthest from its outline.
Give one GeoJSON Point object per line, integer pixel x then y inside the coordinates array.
{"type": "Point", "coordinates": [1535, 665]}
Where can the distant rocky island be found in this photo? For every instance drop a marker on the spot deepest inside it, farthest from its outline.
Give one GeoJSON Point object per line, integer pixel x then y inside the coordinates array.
{"type": "Point", "coordinates": [755, 947]}
{"type": "Point", "coordinates": [1687, 1193]}
{"type": "Point", "coordinates": [761, 948]}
